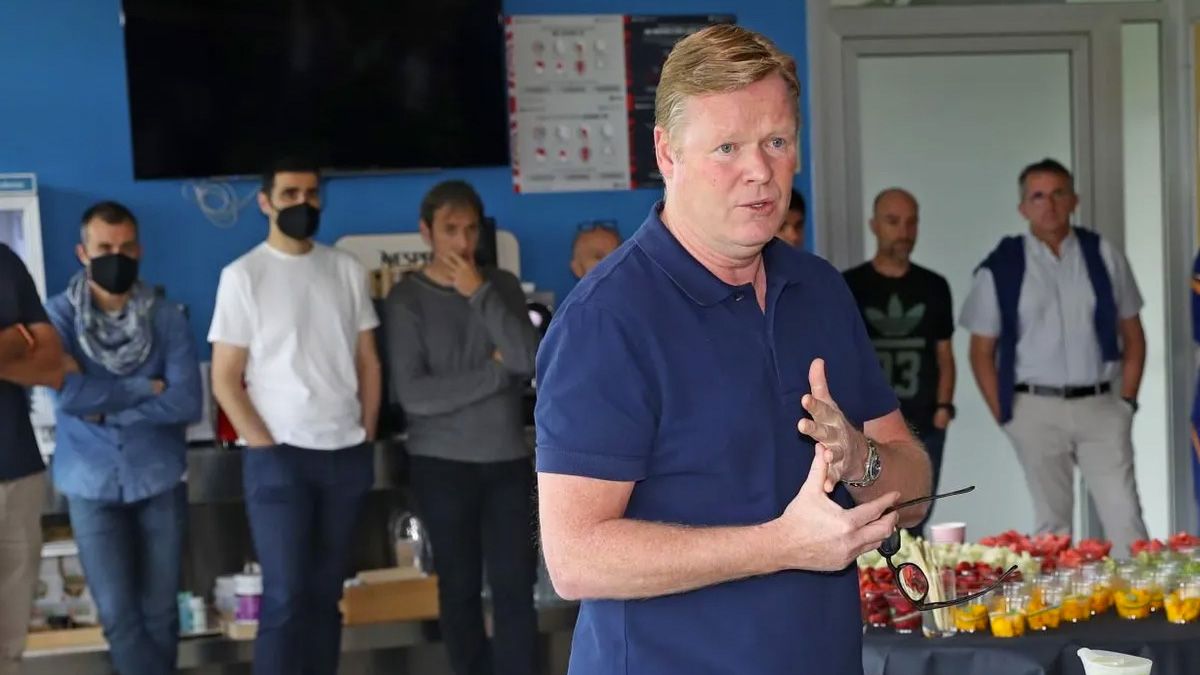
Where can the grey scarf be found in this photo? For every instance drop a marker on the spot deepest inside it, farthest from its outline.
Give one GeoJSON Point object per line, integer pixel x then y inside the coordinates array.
{"type": "Point", "coordinates": [122, 342]}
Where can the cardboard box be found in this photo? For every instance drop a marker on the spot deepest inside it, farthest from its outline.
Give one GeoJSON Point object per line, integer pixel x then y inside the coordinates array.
{"type": "Point", "coordinates": [396, 600]}
{"type": "Point", "coordinates": [74, 638]}
{"type": "Point", "coordinates": [239, 630]}
{"type": "Point", "coordinates": [389, 574]}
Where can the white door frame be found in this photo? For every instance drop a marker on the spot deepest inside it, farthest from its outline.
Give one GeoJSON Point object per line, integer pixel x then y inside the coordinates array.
{"type": "Point", "coordinates": [844, 34]}
{"type": "Point", "coordinates": [846, 243]}
{"type": "Point", "coordinates": [837, 36]}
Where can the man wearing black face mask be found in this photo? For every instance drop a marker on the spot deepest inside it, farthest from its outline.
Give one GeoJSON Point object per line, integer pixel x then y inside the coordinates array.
{"type": "Point", "coordinates": [132, 387]}
{"type": "Point", "coordinates": [294, 321]}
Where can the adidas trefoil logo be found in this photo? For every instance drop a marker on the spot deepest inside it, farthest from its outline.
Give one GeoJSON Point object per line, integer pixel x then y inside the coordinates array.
{"type": "Point", "coordinates": [897, 322]}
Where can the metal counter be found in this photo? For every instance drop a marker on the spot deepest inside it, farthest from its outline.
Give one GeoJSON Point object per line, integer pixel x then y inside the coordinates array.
{"type": "Point", "coordinates": [214, 475]}
{"type": "Point", "coordinates": [218, 534]}
{"type": "Point", "coordinates": [218, 542]}
{"type": "Point", "coordinates": [393, 648]}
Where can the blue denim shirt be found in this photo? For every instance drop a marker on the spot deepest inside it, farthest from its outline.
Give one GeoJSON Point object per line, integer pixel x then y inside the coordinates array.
{"type": "Point", "coordinates": [116, 440]}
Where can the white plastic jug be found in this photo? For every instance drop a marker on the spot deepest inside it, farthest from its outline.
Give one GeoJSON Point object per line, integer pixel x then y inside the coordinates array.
{"type": "Point", "coordinates": [1097, 662]}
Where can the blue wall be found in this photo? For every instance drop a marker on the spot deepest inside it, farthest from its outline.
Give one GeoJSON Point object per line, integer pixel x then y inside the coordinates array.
{"type": "Point", "coordinates": [64, 116]}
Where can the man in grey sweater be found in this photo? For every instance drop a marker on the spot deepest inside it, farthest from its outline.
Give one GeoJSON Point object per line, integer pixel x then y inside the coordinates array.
{"type": "Point", "coordinates": [460, 345]}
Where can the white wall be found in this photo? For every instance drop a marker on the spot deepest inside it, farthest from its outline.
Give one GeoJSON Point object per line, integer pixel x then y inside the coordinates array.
{"type": "Point", "coordinates": [1142, 120]}
{"type": "Point", "coordinates": [955, 131]}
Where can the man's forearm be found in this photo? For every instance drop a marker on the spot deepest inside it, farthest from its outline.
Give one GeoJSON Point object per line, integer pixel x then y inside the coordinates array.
{"type": "Point", "coordinates": [238, 407]}
{"type": "Point", "coordinates": [39, 367]}
{"type": "Point", "coordinates": [1131, 376]}
{"type": "Point", "coordinates": [30, 373]}
{"type": "Point", "coordinates": [984, 368]}
{"type": "Point", "coordinates": [428, 395]}
{"type": "Point", "coordinates": [1133, 359]}
{"type": "Point", "coordinates": [13, 346]}
{"type": "Point", "coordinates": [628, 559]}
{"type": "Point", "coordinates": [370, 395]}
{"type": "Point", "coordinates": [507, 322]}
{"type": "Point", "coordinates": [905, 468]}
{"type": "Point", "coordinates": [946, 378]}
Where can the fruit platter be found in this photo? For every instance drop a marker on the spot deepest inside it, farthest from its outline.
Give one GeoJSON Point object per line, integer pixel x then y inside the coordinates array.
{"type": "Point", "coordinates": [1057, 581]}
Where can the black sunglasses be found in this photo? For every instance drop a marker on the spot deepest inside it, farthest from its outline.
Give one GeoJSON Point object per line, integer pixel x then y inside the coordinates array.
{"type": "Point", "coordinates": [593, 225]}
{"type": "Point", "coordinates": [911, 580]}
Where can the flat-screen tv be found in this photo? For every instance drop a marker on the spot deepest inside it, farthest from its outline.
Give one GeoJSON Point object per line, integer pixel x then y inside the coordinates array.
{"type": "Point", "coordinates": [224, 87]}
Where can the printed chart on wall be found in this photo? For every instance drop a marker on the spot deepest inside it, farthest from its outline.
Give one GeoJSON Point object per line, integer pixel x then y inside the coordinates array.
{"type": "Point", "coordinates": [581, 98]}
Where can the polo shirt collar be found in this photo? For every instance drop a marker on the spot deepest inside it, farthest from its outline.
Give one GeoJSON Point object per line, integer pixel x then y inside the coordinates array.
{"type": "Point", "coordinates": [693, 278]}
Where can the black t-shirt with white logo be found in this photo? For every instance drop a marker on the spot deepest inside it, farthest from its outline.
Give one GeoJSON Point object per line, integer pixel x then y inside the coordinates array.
{"type": "Point", "coordinates": [906, 317]}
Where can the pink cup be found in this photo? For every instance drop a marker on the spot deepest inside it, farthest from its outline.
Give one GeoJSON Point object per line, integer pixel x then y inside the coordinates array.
{"type": "Point", "coordinates": [948, 533]}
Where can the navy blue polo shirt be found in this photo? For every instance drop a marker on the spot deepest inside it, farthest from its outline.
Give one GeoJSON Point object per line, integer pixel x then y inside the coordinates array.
{"type": "Point", "coordinates": [19, 303]}
{"type": "Point", "coordinates": [655, 371]}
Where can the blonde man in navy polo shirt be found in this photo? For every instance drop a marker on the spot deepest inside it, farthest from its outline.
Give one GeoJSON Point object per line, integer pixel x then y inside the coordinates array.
{"type": "Point", "coordinates": [716, 441]}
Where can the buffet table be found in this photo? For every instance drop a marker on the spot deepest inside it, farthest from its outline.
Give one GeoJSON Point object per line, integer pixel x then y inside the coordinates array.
{"type": "Point", "coordinates": [1174, 649]}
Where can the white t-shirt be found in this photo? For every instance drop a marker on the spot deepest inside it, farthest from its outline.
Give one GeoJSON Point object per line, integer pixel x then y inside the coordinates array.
{"type": "Point", "coordinates": [299, 317]}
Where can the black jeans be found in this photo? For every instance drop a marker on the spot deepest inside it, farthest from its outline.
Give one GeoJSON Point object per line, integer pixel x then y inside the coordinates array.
{"type": "Point", "coordinates": [477, 512]}
{"type": "Point", "coordinates": [934, 441]}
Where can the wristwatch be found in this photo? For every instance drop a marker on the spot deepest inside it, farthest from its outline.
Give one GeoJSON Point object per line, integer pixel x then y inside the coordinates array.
{"type": "Point", "coordinates": [1131, 401]}
{"type": "Point", "coordinates": [948, 407]}
{"type": "Point", "coordinates": [872, 469]}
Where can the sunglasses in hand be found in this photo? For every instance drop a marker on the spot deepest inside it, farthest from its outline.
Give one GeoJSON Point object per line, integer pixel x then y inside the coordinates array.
{"type": "Point", "coordinates": [911, 579]}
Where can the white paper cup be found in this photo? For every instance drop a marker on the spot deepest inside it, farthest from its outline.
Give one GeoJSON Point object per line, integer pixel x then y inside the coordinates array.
{"type": "Point", "coordinates": [948, 533]}
{"type": "Point", "coordinates": [1096, 662]}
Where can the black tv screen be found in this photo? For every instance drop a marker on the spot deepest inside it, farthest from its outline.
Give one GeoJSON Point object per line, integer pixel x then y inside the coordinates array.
{"type": "Point", "coordinates": [224, 87]}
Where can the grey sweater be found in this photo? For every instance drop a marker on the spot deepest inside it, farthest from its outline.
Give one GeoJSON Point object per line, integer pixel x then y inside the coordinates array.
{"type": "Point", "coordinates": [460, 402]}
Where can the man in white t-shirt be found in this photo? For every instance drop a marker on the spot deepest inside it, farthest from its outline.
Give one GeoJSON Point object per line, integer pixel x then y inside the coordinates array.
{"type": "Point", "coordinates": [294, 321]}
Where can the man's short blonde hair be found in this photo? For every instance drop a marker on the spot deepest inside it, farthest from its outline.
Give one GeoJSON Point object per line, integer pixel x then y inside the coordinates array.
{"type": "Point", "coordinates": [715, 60]}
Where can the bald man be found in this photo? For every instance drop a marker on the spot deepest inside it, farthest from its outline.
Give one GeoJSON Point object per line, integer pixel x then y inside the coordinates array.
{"type": "Point", "coordinates": [593, 243]}
{"type": "Point", "coordinates": [908, 313]}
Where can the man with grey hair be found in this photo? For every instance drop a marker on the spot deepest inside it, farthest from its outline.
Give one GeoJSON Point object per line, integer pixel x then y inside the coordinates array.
{"type": "Point", "coordinates": [1057, 349]}
{"type": "Point", "coordinates": [677, 500]}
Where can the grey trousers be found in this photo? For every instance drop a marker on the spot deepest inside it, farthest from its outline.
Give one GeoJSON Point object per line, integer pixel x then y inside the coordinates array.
{"type": "Point", "coordinates": [1052, 435]}
{"type": "Point", "coordinates": [20, 557]}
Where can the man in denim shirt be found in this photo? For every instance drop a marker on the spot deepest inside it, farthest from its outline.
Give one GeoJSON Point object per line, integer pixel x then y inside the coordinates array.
{"type": "Point", "coordinates": [132, 387]}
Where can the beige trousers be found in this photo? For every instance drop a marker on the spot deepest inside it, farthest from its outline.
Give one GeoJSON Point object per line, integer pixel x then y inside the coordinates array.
{"type": "Point", "coordinates": [1053, 435]}
{"type": "Point", "coordinates": [20, 557]}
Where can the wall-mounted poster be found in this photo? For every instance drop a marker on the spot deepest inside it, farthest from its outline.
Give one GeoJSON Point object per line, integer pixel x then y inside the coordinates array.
{"type": "Point", "coordinates": [581, 98]}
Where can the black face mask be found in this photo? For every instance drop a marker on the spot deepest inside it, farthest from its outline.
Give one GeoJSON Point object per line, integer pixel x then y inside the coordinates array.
{"type": "Point", "coordinates": [299, 221]}
{"type": "Point", "coordinates": [114, 272]}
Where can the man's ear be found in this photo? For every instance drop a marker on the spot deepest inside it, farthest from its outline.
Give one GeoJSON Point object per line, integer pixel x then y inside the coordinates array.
{"type": "Point", "coordinates": [663, 153]}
